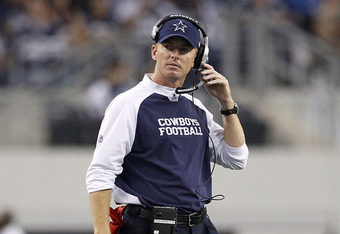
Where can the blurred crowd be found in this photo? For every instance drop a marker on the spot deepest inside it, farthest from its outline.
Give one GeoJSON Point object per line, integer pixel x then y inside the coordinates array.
{"type": "Point", "coordinates": [40, 37]}
{"type": "Point", "coordinates": [103, 46]}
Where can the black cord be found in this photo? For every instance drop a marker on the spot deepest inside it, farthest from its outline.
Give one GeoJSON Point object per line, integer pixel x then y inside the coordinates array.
{"type": "Point", "coordinates": [218, 197]}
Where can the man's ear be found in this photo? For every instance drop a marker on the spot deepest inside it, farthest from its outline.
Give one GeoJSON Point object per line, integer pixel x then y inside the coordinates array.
{"type": "Point", "coordinates": [193, 62]}
{"type": "Point", "coordinates": [154, 52]}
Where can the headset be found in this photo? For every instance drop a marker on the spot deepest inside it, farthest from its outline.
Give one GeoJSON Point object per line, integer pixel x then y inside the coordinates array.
{"type": "Point", "coordinates": [203, 50]}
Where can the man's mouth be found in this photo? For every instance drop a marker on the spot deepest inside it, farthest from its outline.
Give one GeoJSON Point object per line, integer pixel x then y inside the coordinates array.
{"type": "Point", "coordinates": [173, 65]}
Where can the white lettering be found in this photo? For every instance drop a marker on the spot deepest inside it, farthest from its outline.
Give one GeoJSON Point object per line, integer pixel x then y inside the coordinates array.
{"type": "Point", "coordinates": [174, 121]}
{"type": "Point", "coordinates": [179, 126]}
{"type": "Point", "coordinates": [181, 121]}
{"type": "Point", "coordinates": [161, 122]}
{"type": "Point", "coordinates": [164, 221]}
{"type": "Point", "coordinates": [168, 131]}
{"type": "Point", "coordinates": [161, 131]}
{"type": "Point", "coordinates": [198, 131]}
{"type": "Point", "coordinates": [167, 122]}
{"type": "Point", "coordinates": [180, 130]}
{"type": "Point", "coordinates": [175, 131]}
{"type": "Point", "coordinates": [195, 122]}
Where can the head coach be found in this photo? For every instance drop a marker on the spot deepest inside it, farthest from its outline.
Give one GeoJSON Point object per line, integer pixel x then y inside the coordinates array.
{"type": "Point", "coordinates": [156, 141]}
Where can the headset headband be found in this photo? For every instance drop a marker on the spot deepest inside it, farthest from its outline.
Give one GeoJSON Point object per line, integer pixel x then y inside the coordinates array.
{"type": "Point", "coordinates": [160, 22]}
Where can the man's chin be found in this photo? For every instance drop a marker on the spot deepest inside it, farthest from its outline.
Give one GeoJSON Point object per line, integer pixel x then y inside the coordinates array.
{"type": "Point", "coordinates": [173, 75]}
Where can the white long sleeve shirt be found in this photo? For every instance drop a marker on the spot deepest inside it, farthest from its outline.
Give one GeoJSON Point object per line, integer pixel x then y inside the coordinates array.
{"type": "Point", "coordinates": [155, 147]}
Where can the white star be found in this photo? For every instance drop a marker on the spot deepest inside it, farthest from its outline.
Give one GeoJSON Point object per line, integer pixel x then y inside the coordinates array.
{"type": "Point", "coordinates": [180, 26]}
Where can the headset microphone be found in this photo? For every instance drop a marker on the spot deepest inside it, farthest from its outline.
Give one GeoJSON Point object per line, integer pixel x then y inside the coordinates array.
{"type": "Point", "coordinates": [181, 90]}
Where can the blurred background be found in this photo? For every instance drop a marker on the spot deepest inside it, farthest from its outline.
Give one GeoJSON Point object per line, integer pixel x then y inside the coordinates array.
{"type": "Point", "coordinates": [62, 61]}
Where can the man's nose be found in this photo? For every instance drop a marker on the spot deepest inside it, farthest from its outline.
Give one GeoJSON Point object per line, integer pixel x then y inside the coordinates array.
{"type": "Point", "coordinates": [175, 54]}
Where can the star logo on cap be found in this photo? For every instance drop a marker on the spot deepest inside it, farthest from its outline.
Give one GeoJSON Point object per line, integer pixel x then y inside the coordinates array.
{"type": "Point", "coordinates": [180, 26]}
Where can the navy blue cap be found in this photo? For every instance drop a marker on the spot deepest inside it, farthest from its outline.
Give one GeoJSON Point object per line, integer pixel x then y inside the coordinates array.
{"type": "Point", "coordinates": [182, 28]}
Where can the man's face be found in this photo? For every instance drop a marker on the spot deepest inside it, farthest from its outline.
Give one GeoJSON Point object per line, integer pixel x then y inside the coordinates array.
{"type": "Point", "coordinates": [174, 58]}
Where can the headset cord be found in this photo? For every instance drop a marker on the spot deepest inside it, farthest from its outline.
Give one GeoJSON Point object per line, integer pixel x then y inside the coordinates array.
{"type": "Point", "coordinates": [218, 197]}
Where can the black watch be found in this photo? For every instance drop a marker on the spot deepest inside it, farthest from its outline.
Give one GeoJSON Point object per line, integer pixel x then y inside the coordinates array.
{"type": "Point", "coordinates": [227, 112]}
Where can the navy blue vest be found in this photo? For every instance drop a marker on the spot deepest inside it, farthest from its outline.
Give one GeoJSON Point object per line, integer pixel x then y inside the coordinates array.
{"type": "Point", "coordinates": [169, 158]}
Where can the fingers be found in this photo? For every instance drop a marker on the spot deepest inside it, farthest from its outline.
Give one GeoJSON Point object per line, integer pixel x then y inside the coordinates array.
{"type": "Point", "coordinates": [210, 76]}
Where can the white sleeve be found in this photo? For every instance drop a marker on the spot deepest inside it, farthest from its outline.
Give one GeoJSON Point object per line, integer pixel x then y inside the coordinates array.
{"type": "Point", "coordinates": [226, 156]}
{"type": "Point", "coordinates": [114, 142]}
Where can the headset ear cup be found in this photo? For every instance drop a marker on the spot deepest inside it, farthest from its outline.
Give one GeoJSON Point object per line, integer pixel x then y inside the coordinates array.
{"type": "Point", "coordinates": [154, 33]}
{"type": "Point", "coordinates": [198, 59]}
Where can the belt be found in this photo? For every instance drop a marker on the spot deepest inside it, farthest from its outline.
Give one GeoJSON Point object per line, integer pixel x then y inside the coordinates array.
{"type": "Point", "coordinates": [191, 220]}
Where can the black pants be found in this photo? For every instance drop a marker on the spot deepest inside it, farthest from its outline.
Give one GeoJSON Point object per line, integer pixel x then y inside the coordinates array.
{"type": "Point", "coordinates": [136, 225]}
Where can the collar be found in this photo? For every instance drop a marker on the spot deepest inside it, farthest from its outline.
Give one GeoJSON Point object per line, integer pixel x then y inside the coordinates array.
{"type": "Point", "coordinates": [160, 89]}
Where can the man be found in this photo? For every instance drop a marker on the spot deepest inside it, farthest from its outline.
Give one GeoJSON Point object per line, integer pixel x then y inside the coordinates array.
{"type": "Point", "coordinates": [155, 145]}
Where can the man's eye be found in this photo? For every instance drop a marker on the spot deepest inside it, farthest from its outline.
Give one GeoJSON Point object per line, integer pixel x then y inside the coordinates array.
{"type": "Point", "coordinates": [168, 47]}
{"type": "Point", "coordinates": [181, 50]}
{"type": "Point", "coordinates": [184, 50]}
